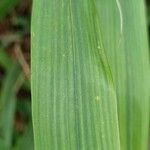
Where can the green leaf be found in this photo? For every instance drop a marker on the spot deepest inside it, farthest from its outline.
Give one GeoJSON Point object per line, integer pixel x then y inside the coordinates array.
{"type": "Point", "coordinates": [6, 124]}
{"type": "Point", "coordinates": [74, 102]}
{"type": "Point", "coordinates": [5, 61]}
{"type": "Point", "coordinates": [124, 33]}
{"type": "Point", "coordinates": [9, 84]}
{"type": "Point", "coordinates": [7, 107]}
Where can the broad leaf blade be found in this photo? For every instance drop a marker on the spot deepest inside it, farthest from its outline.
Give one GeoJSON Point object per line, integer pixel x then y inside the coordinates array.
{"type": "Point", "coordinates": [125, 40]}
{"type": "Point", "coordinates": [74, 103]}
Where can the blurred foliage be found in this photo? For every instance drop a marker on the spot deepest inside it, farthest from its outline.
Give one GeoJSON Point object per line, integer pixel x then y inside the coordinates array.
{"type": "Point", "coordinates": [15, 100]}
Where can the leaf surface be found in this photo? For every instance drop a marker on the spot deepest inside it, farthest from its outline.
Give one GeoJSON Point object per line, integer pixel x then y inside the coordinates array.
{"type": "Point", "coordinates": [124, 33]}
{"type": "Point", "coordinates": [73, 97]}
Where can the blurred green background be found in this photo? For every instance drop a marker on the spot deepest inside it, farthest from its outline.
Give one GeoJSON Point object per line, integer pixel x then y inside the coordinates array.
{"type": "Point", "coordinates": [15, 98]}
